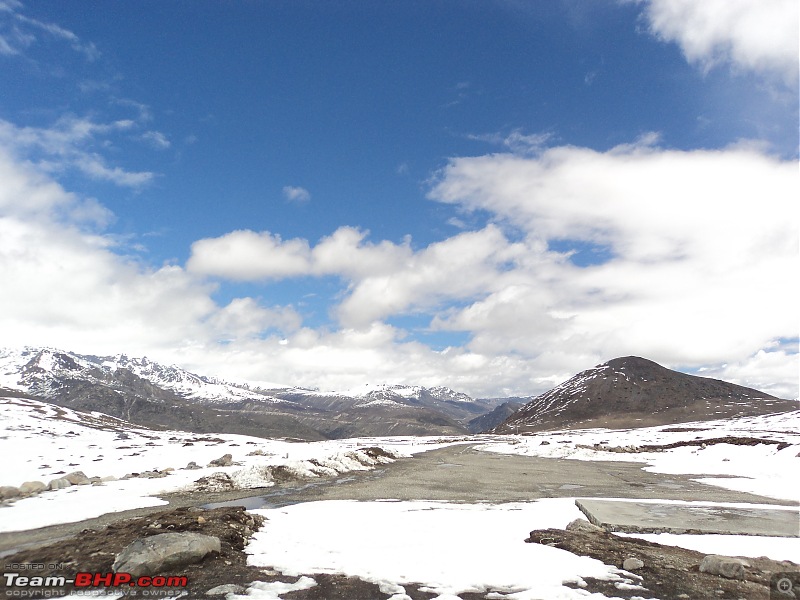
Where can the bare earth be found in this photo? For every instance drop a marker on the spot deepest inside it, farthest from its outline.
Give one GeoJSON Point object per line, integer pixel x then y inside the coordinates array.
{"type": "Point", "coordinates": [455, 474]}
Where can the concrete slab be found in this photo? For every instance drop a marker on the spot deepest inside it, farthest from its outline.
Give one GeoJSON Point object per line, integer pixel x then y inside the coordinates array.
{"type": "Point", "coordinates": [647, 517]}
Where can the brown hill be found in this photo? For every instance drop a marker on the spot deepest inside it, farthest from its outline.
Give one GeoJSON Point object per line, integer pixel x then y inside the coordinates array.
{"type": "Point", "coordinates": [636, 392]}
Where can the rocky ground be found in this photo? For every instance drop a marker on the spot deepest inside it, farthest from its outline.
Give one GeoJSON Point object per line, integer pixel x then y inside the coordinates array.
{"type": "Point", "coordinates": [666, 572]}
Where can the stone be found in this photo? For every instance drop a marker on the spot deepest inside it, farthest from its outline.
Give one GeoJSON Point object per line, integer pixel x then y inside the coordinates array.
{"type": "Point", "coordinates": [726, 566]}
{"type": "Point", "coordinates": [77, 478]}
{"type": "Point", "coordinates": [631, 564]}
{"type": "Point", "coordinates": [163, 552]}
{"type": "Point", "coordinates": [8, 491]}
{"type": "Point", "coordinates": [226, 460]}
{"type": "Point", "coordinates": [583, 525]}
{"type": "Point", "coordinates": [216, 482]}
{"type": "Point", "coordinates": [32, 487]}
{"type": "Point", "coordinates": [228, 588]}
{"type": "Point", "coordinates": [59, 484]}
{"type": "Point", "coordinates": [192, 465]}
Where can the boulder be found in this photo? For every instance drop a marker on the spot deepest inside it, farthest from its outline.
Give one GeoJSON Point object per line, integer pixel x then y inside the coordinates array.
{"type": "Point", "coordinates": [583, 525]}
{"type": "Point", "coordinates": [32, 487]}
{"type": "Point", "coordinates": [226, 460]}
{"type": "Point", "coordinates": [192, 465]}
{"type": "Point", "coordinates": [59, 484]}
{"type": "Point", "coordinates": [726, 566]}
{"type": "Point", "coordinates": [165, 551]}
{"type": "Point", "coordinates": [631, 564]}
{"type": "Point", "coordinates": [8, 491]}
{"type": "Point", "coordinates": [77, 478]}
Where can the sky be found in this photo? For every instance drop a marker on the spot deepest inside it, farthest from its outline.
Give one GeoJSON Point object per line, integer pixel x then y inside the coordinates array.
{"type": "Point", "coordinates": [490, 196]}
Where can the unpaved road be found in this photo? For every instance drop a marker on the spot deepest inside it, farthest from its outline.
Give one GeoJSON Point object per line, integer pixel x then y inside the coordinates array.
{"type": "Point", "coordinates": [456, 473]}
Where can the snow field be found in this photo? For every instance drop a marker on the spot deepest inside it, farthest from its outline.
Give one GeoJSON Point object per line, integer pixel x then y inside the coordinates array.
{"type": "Point", "coordinates": [447, 548]}
{"type": "Point", "coordinates": [762, 469]}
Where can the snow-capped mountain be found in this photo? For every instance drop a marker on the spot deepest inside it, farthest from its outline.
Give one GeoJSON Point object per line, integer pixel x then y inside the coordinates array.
{"type": "Point", "coordinates": [155, 395]}
{"type": "Point", "coordinates": [40, 371]}
{"type": "Point", "coordinates": [636, 392]}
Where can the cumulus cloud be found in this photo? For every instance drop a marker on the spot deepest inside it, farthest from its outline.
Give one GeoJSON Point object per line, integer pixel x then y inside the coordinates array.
{"type": "Point", "coordinates": [702, 247]}
{"type": "Point", "coordinates": [295, 194]}
{"type": "Point", "coordinates": [66, 284]}
{"type": "Point", "coordinates": [246, 256]}
{"type": "Point", "coordinates": [755, 35]}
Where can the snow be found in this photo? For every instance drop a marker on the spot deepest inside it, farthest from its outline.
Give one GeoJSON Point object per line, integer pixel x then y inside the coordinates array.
{"type": "Point", "coordinates": [51, 441]}
{"type": "Point", "coordinates": [447, 548]}
{"type": "Point", "coordinates": [761, 469]}
{"type": "Point", "coordinates": [776, 548]}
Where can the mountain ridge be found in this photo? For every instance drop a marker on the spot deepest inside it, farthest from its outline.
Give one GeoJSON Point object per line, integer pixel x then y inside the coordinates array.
{"type": "Point", "coordinates": [151, 394]}
{"type": "Point", "coordinates": [632, 391]}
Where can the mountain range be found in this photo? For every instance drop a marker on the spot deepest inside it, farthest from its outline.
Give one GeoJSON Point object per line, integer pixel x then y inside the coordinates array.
{"type": "Point", "coordinates": [636, 392]}
{"type": "Point", "coordinates": [154, 395]}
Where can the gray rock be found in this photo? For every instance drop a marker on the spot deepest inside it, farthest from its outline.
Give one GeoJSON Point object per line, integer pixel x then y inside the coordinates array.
{"type": "Point", "coordinates": [32, 487]}
{"type": "Point", "coordinates": [583, 525]}
{"type": "Point", "coordinates": [158, 553]}
{"type": "Point", "coordinates": [8, 491]}
{"type": "Point", "coordinates": [192, 465]}
{"type": "Point", "coordinates": [228, 588]}
{"type": "Point", "coordinates": [225, 460]}
{"type": "Point", "coordinates": [59, 484]}
{"type": "Point", "coordinates": [727, 566]}
{"type": "Point", "coordinates": [631, 564]}
{"type": "Point", "coordinates": [77, 478]}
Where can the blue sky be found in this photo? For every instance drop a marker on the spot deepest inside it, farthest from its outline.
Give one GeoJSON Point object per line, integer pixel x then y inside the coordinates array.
{"type": "Point", "coordinates": [486, 195]}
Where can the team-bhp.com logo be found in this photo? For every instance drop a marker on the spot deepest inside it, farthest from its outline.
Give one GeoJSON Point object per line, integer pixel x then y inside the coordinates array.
{"type": "Point", "coordinates": [22, 586]}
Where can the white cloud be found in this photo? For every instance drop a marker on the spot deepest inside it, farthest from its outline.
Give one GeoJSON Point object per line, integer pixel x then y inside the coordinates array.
{"type": "Point", "coordinates": [247, 256]}
{"type": "Point", "coordinates": [704, 250]}
{"type": "Point", "coordinates": [298, 195]}
{"type": "Point", "coordinates": [156, 139]}
{"type": "Point", "coordinates": [19, 32]}
{"type": "Point", "coordinates": [755, 35]}
{"type": "Point", "coordinates": [65, 285]}
{"type": "Point", "coordinates": [68, 145]}
{"type": "Point", "coordinates": [702, 273]}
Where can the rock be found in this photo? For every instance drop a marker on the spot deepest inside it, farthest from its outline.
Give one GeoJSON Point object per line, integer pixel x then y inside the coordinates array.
{"type": "Point", "coordinates": [216, 482]}
{"type": "Point", "coordinates": [32, 487]}
{"type": "Point", "coordinates": [631, 564]}
{"type": "Point", "coordinates": [225, 460]}
{"type": "Point", "coordinates": [583, 525]}
{"type": "Point", "coordinates": [165, 551]}
{"type": "Point", "coordinates": [8, 491]}
{"type": "Point", "coordinates": [727, 566]}
{"type": "Point", "coordinates": [77, 478]}
{"type": "Point", "coordinates": [59, 484]}
{"type": "Point", "coordinates": [258, 452]}
{"type": "Point", "coordinates": [544, 443]}
{"type": "Point", "coordinates": [192, 465]}
{"type": "Point", "coordinates": [228, 588]}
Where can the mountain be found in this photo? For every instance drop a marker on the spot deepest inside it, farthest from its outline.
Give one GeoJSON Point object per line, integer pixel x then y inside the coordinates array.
{"type": "Point", "coordinates": [494, 418]}
{"type": "Point", "coordinates": [154, 395]}
{"type": "Point", "coordinates": [636, 392]}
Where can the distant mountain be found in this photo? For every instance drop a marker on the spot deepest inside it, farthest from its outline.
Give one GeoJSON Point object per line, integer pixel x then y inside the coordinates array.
{"type": "Point", "coordinates": [493, 419]}
{"type": "Point", "coordinates": [636, 392]}
{"type": "Point", "coordinates": [154, 395]}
